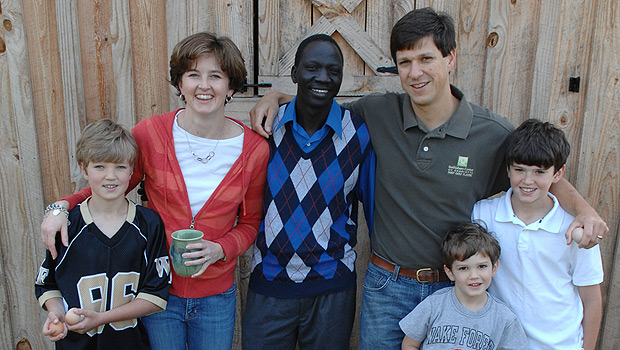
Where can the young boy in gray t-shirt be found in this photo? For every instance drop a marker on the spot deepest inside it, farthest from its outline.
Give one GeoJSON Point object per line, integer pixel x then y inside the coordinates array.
{"type": "Point", "coordinates": [465, 316]}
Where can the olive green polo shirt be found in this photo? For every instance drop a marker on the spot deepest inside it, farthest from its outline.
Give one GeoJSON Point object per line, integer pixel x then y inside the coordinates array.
{"type": "Point", "coordinates": [428, 181]}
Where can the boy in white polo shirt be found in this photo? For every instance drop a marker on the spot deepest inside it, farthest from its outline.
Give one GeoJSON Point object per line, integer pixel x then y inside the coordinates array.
{"type": "Point", "coordinates": [554, 288]}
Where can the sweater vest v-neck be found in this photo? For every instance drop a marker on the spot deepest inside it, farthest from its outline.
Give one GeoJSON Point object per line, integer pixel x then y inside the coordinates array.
{"type": "Point", "coordinates": [305, 243]}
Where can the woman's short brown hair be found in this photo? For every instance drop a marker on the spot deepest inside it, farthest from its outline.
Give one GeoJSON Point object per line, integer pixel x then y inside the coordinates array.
{"type": "Point", "coordinates": [187, 51]}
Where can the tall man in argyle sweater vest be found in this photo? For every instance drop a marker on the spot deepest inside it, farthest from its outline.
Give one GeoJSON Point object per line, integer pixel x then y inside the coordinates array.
{"type": "Point", "coordinates": [302, 287]}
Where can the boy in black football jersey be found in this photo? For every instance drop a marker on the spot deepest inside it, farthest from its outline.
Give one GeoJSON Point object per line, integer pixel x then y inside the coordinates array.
{"type": "Point", "coordinates": [116, 267]}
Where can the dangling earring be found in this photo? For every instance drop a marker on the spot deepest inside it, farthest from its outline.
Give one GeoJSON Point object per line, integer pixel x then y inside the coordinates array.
{"type": "Point", "coordinates": [228, 99]}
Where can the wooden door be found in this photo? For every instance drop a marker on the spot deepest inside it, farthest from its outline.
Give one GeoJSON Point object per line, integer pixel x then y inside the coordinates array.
{"type": "Point", "coordinates": [362, 29]}
{"type": "Point", "coordinates": [66, 63]}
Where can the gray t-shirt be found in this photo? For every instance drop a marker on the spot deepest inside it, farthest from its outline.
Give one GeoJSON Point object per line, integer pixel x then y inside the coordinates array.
{"type": "Point", "coordinates": [444, 324]}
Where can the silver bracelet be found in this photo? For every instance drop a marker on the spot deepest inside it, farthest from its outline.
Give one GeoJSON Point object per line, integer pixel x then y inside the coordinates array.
{"type": "Point", "coordinates": [56, 209]}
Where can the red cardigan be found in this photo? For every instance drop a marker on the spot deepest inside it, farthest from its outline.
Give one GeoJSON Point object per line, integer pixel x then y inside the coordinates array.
{"type": "Point", "coordinates": [230, 217]}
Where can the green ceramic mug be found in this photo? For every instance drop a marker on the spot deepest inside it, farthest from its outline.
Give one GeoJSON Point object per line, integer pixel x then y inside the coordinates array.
{"type": "Point", "coordinates": [180, 240]}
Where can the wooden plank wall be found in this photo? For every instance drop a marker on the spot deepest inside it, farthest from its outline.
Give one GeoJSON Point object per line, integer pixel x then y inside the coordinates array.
{"type": "Point", "coordinates": [68, 62]}
{"type": "Point", "coordinates": [283, 25]}
{"type": "Point", "coordinates": [599, 153]}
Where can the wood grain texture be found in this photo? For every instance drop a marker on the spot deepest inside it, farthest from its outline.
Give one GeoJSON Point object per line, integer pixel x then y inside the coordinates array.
{"type": "Point", "coordinates": [58, 71]}
{"type": "Point", "coordinates": [471, 19]}
{"type": "Point", "coordinates": [281, 26]}
{"type": "Point", "coordinates": [355, 12]}
{"type": "Point", "coordinates": [562, 52]}
{"type": "Point", "coordinates": [401, 7]}
{"type": "Point", "coordinates": [509, 69]}
{"type": "Point", "coordinates": [21, 198]}
{"type": "Point", "coordinates": [179, 15]}
{"type": "Point", "coordinates": [72, 84]}
{"type": "Point", "coordinates": [359, 48]}
{"type": "Point", "coordinates": [361, 43]}
{"type": "Point", "coordinates": [321, 26]}
{"type": "Point", "coordinates": [380, 17]}
{"type": "Point", "coordinates": [234, 19]}
{"type": "Point", "coordinates": [42, 52]}
{"type": "Point", "coordinates": [97, 61]}
{"type": "Point", "coordinates": [351, 25]}
{"type": "Point", "coordinates": [150, 67]}
{"type": "Point", "coordinates": [598, 176]}
{"type": "Point", "coordinates": [121, 46]}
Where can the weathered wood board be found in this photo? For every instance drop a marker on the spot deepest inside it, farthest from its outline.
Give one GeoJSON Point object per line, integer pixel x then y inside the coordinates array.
{"type": "Point", "coordinates": [66, 63]}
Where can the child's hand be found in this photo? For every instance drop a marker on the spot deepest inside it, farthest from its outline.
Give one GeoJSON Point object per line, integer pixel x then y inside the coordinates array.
{"type": "Point", "coordinates": [54, 327]}
{"type": "Point", "coordinates": [90, 320]}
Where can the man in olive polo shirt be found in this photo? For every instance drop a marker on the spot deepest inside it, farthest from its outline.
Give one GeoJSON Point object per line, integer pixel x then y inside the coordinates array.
{"type": "Point", "coordinates": [437, 154]}
{"type": "Point", "coordinates": [429, 179]}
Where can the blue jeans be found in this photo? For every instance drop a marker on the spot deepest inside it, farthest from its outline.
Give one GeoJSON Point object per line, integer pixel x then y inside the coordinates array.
{"type": "Point", "coordinates": [386, 299]}
{"type": "Point", "coordinates": [201, 323]}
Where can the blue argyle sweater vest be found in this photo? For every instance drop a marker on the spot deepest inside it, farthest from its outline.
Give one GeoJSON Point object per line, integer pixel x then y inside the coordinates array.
{"type": "Point", "coordinates": [305, 242]}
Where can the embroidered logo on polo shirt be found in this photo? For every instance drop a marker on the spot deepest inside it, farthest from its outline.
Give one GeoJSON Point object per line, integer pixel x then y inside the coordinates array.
{"type": "Point", "coordinates": [462, 162]}
{"type": "Point", "coordinates": [461, 169]}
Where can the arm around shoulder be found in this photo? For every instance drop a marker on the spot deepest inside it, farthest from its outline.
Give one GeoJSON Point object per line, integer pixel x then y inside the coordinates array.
{"type": "Point", "coordinates": [593, 225]}
{"type": "Point", "coordinates": [265, 110]}
{"type": "Point", "coordinates": [55, 221]}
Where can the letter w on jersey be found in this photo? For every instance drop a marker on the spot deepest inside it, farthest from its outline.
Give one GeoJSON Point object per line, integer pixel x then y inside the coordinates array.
{"type": "Point", "coordinates": [163, 267]}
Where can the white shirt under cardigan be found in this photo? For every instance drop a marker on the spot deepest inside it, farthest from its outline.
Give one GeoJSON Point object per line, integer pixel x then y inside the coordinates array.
{"type": "Point", "coordinates": [201, 180]}
{"type": "Point", "coordinates": [538, 273]}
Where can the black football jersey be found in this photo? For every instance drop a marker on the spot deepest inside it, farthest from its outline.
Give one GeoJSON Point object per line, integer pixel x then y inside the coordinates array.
{"type": "Point", "coordinates": [99, 273]}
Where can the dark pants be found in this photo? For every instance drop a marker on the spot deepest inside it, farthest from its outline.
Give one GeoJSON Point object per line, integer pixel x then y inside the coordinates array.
{"type": "Point", "coordinates": [321, 322]}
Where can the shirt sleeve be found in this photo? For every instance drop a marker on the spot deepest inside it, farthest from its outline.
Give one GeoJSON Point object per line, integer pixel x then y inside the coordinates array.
{"type": "Point", "coordinates": [587, 266]}
{"type": "Point", "coordinates": [356, 107]}
{"type": "Point", "coordinates": [45, 286]}
{"type": "Point", "coordinates": [481, 213]}
{"type": "Point", "coordinates": [416, 324]}
{"type": "Point", "coordinates": [157, 276]}
{"type": "Point", "coordinates": [513, 337]}
{"type": "Point", "coordinates": [366, 188]}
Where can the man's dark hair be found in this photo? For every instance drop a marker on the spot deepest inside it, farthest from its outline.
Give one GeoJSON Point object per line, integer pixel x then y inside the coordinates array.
{"type": "Point", "coordinates": [313, 38]}
{"type": "Point", "coordinates": [421, 23]}
{"type": "Point", "coordinates": [537, 143]}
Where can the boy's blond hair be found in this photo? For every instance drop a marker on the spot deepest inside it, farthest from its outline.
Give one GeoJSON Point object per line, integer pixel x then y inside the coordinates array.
{"type": "Point", "coordinates": [106, 141]}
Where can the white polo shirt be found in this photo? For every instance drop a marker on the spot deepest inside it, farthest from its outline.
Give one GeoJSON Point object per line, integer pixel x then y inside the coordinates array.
{"type": "Point", "coordinates": [538, 273]}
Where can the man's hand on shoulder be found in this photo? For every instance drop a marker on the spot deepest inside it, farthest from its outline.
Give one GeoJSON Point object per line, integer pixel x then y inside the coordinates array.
{"type": "Point", "coordinates": [264, 112]}
{"type": "Point", "coordinates": [594, 229]}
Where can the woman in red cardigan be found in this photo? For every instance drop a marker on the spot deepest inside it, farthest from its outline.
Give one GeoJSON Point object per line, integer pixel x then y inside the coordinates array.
{"type": "Point", "coordinates": [201, 170]}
